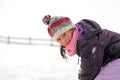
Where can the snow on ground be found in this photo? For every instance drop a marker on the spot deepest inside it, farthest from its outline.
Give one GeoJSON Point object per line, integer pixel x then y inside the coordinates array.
{"type": "Point", "coordinates": [27, 62]}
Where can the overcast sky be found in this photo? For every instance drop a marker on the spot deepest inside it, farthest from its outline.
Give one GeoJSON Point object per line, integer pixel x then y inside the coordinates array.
{"type": "Point", "coordinates": [23, 17]}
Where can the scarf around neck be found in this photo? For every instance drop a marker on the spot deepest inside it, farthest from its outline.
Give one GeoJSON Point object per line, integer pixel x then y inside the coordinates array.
{"type": "Point", "coordinates": [71, 47]}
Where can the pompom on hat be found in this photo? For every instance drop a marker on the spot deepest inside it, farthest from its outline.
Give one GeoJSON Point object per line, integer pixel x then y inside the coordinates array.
{"type": "Point", "coordinates": [57, 25]}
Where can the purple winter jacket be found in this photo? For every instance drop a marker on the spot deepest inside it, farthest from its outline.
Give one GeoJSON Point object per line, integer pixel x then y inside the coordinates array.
{"type": "Point", "coordinates": [96, 49]}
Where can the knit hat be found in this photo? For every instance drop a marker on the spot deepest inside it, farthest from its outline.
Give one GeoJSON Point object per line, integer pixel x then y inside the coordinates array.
{"type": "Point", "coordinates": [57, 25]}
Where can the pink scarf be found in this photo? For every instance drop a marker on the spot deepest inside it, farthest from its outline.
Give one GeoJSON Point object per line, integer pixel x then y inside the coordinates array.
{"type": "Point", "coordinates": [71, 47]}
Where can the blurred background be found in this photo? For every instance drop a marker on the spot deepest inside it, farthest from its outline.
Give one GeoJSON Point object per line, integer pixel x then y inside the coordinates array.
{"type": "Point", "coordinates": [27, 51]}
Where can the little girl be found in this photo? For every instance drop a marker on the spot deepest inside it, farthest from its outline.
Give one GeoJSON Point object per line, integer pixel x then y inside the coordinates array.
{"type": "Point", "coordinates": [98, 48]}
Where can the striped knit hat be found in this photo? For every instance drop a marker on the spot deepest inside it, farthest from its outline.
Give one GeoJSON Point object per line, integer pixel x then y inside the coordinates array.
{"type": "Point", "coordinates": [57, 25]}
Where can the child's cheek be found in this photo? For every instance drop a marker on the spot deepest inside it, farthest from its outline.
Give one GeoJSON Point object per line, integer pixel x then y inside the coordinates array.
{"type": "Point", "coordinates": [69, 37]}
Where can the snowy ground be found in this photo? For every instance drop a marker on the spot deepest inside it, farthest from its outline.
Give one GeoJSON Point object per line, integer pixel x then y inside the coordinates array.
{"type": "Point", "coordinates": [26, 62]}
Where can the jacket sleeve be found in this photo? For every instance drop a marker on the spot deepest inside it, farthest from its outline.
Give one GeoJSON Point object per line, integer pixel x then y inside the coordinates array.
{"type": "Point", "coordinates": [91, 60]}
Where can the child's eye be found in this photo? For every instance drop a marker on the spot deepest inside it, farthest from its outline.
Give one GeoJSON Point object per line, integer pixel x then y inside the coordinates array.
{"type": "Point", "coordinates": [64, 34]}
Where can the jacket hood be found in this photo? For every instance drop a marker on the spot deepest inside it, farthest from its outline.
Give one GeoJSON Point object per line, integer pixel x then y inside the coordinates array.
{"type": "Point", "coordinates": [90, 27]}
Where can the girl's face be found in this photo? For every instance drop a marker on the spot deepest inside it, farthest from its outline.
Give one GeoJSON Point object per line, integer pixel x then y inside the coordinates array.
{"type": "Point", "coordinates": [65, 38]}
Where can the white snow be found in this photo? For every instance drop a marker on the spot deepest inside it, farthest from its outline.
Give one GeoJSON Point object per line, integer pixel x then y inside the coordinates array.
{"type": "Point", "coordinates": [93, 50]}
{"type": "Point", "coordinates": [31, 62]}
